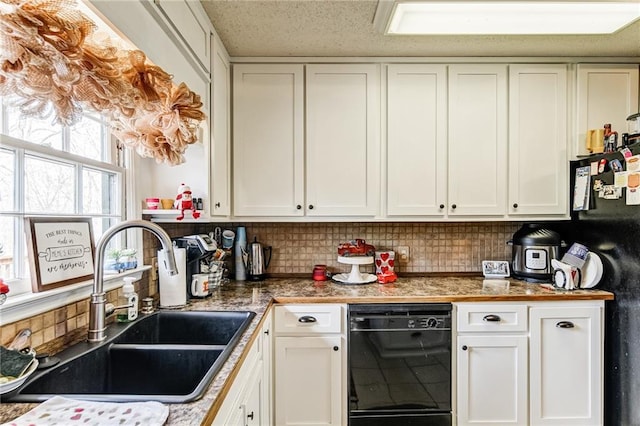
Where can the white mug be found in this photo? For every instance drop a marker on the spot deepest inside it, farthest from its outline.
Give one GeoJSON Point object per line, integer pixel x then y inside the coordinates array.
{"type": "Point", "coordinates": [227, 239]}
{"type": "Point", "coordinates": [200, 285]}
{"type": "Point", "coordinates": [566, 276]}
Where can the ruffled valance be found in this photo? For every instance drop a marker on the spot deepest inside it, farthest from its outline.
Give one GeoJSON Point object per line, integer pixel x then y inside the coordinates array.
{"type": "Point", "coordinates": [54, 63]}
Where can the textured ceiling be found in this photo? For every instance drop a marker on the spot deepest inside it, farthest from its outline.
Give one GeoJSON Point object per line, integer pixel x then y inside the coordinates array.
{"type": "Point", "coordinates": [345, 28]}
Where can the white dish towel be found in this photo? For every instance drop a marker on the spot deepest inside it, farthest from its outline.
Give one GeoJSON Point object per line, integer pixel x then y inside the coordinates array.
{"type": "Point", "coordinates": [63, 411]}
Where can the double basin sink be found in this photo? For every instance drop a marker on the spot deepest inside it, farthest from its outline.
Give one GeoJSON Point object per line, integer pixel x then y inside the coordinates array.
{"type": "Point", "coordinates": [168, 356]}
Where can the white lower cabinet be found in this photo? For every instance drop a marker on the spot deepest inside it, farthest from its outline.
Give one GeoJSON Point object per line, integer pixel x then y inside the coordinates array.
{"type": "Point", "coordinates": [310, 365]}
{"type": "Point", "coordinates": [492, 362]}
{"type": "Point", "coordinates": [566, 365]}
{"type": "Point", "coordinates": [248, 401]}
{"type": "Point", "coordinates": [243, 411]}
{"type": "Point", "coordinates": [492, 379]}
{"type": "Point", "coordinates": [540, 368]}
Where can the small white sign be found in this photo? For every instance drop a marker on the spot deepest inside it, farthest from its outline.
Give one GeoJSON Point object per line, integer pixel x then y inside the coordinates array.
{"type": "Point", "coordinates": [61, 251]}
{"type": "Point", "coordinates": [495, 268]}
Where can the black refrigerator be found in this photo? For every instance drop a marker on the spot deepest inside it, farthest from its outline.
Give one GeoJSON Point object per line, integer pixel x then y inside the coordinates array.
{"type": "Point", "coordinates": [611, 229]}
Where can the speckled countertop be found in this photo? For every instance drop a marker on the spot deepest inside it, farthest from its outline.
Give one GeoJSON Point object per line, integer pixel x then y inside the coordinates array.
{"type": "Point", "coordinates": [258, 297]}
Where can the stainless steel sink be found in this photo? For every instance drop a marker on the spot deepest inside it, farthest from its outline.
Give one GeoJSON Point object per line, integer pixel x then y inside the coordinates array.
{"type": "Point", "coordinates": [168, 356]}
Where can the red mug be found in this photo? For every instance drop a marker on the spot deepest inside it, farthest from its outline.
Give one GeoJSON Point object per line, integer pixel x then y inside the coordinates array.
{"type": "Point", "coordinates": [320, 273]}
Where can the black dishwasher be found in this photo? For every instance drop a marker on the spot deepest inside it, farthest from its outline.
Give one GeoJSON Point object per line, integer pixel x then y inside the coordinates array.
{"type": "Point", "coordinates": [400, 364]}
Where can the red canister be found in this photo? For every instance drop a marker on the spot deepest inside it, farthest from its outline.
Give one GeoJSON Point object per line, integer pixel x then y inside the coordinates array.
{"type": "Point", "coordinates": [320, 272]}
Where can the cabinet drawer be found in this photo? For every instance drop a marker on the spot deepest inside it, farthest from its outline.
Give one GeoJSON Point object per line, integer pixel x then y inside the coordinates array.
{"type": "Point", "coordinates": [308, 319]}
{"type": "Point", "coordinates": [494, 317]}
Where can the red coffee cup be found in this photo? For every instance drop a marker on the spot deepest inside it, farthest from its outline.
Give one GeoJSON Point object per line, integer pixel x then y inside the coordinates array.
{"type": "Point", "coordinates": [320, 273]}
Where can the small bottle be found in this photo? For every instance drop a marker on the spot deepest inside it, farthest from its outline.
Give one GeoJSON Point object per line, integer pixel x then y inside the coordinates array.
{"type": "Point", "coordinates": [129, 299]}
{"type": "Point", "coordinates": [610, 139]}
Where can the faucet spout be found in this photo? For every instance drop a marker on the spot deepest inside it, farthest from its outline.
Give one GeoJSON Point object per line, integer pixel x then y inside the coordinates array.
{"type": "Point", "coordinates": [98, 301]}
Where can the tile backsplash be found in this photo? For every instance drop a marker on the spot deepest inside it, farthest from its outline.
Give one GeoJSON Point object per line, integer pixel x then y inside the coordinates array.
{"type": "Point", "coordinates": [434, 248]}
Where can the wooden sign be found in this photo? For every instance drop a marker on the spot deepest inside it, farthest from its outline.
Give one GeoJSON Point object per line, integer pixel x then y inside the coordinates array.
{"type": "Point", "coordinates": [61, 251]}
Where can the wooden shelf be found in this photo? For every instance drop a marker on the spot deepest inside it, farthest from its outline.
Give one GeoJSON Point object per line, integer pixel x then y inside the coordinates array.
{"type": "Point", "coordinates": [170, 215]}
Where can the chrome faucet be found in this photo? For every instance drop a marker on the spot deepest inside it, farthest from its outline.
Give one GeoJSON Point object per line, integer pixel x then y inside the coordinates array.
{"type": "Point", "coordinates": [98, 301]}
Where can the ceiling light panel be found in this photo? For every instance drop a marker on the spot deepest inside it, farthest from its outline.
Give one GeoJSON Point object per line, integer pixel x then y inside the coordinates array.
{"type": "Point", "coordinates": [506, 17]}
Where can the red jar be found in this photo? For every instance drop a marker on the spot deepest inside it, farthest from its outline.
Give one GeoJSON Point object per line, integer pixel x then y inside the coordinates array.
{"type": "Point", "coordinates": [320, 273]}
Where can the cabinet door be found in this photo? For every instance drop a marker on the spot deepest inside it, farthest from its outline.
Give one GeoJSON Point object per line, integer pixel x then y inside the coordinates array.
{"type": "Point", "coordinates": [492, 380]}
{"type": "Point", "coordinates": [254, 398]}
{"type": "Point", "coordinates": [236, 417]}
{"type": "Point", "coordinates": [477, 140]}
{"type": "Point", "coordinates": [267, 369]}
{"type": "Point", "coordinates": [191, 23]}
{"type": "Point", "coordinates": [220, 122]}
{"type": "Point", "coordinates": [566, 365]}
{"type": "Point", "coordinates": [309, 388]}
{"type": "Point", "coordinates": [268, 140]}
{"type": "Point", "coordinates": [607, 93]}
{"type": "Point", "coordinates": [538, 162]}
{"type": "Point", "coordinates": [416, 140]}
{"type": "Point", "coordinates": [343, 139]}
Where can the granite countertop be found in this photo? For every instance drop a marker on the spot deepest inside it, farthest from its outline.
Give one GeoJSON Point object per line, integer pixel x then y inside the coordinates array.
{"type": "Point", "coordinates": [259, 296]}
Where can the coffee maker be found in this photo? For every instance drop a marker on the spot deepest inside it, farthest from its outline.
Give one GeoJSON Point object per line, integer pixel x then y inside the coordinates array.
{"type": "Point", "coordinates": [200, 249]}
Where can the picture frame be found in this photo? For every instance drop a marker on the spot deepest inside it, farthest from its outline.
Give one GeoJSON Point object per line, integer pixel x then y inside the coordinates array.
{"type": "Point", "coordinates": [61, 251]}
{"type": "Point", "coordinates": [495, 268]}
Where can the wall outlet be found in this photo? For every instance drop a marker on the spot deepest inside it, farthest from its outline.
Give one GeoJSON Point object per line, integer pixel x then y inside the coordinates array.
{"type": "Point", "coordinates": [154, 269]}
{"type": "Point", "coordinates": [402, 253]}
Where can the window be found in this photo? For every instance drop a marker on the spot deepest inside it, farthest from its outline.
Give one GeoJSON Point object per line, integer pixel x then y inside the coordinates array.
{"type": "Point", "coordinates": [51, 170]}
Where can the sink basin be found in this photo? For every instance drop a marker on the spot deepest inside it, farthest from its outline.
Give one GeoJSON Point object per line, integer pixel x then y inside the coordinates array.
{"type": "Point", "coordinates": [167, 356]}
{"type": "Point", "coordinates": [186, 327]}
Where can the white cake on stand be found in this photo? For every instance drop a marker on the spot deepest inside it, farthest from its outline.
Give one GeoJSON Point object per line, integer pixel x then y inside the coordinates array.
{"type": "Point", "coordinates": [355, 276]}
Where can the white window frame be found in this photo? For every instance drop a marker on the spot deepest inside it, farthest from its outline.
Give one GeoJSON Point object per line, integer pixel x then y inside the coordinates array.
{"type": "Point", "coordinates": [25, 305]}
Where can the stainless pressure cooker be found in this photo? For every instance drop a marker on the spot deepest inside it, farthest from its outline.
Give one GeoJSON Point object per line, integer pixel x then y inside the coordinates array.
{"type": "Point", "coordinates": [533, 247]}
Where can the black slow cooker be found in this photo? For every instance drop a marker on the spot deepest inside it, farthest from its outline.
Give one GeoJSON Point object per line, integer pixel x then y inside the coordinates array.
{"type": "Point", "coordinates": [533, 247]}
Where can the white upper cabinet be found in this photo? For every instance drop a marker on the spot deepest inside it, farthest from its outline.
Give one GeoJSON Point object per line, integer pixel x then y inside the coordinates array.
{"type": "Point", "coordinates": [477, 161]}
{"type": "Point", "coordinates": [343, 139]}
{"type": "Point", "coordinates": [220, 171]}
{"type": "Point", "coordinates": [607, 93]}
{"type": "Point", "coordinates": [461, 141]}
{"type": "Point", "coordinates": [538, 140]}
{"type": "Point", "coordinates": [416, 149]}
{"type": "Point", "coordinates": [192, 26]}
{"type": "Point", "coordinates": [268, 140]}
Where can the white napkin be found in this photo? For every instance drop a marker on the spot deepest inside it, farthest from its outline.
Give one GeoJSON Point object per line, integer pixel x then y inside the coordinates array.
{"type": "Point", "coordinates": [64, 411]}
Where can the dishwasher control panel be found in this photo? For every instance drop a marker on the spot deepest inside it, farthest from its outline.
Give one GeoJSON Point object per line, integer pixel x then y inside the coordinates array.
{"type": "Point", "coordinates": [383, 322]}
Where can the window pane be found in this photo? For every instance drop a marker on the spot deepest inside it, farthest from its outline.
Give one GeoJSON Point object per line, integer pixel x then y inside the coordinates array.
{"type": "Point", "coordinates": [100, 225]}
{"type": "Point", "coordinates": [7, 247]}
{"type": "Point", "coordinates": [98, 192]}
{"type": "Point", "coordinates": [49, 186]}
{"type": "Point", "coordinates": [7, 180]}
{"type": "Point", "coordinates": [33, 130]}
{"type": "Point", "coordinates": [87, 139]}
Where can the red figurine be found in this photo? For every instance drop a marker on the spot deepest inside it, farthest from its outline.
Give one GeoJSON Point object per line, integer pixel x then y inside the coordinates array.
{"type": "Point", "coordinates": [184, 201]}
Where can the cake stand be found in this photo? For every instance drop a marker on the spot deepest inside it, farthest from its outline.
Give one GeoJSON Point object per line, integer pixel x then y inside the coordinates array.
{"type": "Point", "coordinates": [355, 276]}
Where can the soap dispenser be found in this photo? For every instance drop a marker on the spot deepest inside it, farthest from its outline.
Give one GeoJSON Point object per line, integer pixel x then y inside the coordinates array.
{"type": "Point", "coordinates": [129, 302]}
